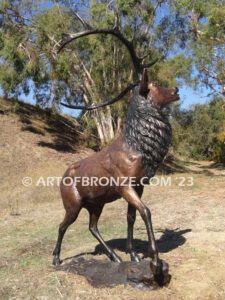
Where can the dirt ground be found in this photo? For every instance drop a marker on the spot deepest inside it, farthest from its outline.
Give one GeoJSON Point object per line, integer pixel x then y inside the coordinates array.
{"type": "Point", "coordinates": [188, 224]}
{"type": "Point", "coordinates": [188, 221]}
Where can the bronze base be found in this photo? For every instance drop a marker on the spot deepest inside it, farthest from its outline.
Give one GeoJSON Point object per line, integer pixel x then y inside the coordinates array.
{"type": "Point", "coordinates": [109, 274]}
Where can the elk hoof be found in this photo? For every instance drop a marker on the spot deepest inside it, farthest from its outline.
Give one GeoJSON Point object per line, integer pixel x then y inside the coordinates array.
{"type": "Point", "coordinates": [161, 272]}
{"type": "Point", "coordinates": [56, 261]}
{"type": "Point", "coordinates": [134, 256]}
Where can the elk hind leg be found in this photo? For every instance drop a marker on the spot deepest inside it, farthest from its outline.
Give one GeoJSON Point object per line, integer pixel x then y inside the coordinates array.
{"type": "Point", "coordinates": [94, 217]}
{"type": "Point", "coordinates": [70, 217]}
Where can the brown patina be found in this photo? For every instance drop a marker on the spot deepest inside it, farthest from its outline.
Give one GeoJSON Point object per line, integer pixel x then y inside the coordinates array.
{"type": "Point", "coordinates": [137, 153]}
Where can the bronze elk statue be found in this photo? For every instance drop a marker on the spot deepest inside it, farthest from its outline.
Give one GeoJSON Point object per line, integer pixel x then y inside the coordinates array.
{"type": "Point", "coordinates": [136, 153]}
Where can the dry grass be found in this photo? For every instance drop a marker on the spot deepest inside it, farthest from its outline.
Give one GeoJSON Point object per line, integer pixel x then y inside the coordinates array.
{"type": "Point", "coordinates": [192, 219]}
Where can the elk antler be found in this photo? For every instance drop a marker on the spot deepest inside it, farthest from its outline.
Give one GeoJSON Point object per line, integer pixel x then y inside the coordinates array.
{"type": "Point", "coordinates": [107, 102]}
{"type": "Point", "coordinates": [137, 61]}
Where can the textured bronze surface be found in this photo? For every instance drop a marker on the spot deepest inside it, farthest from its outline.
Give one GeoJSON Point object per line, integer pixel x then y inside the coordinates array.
{"type": "Point", "coordinates": [137, 152]}
{"type": "Point", "coordinates": [100, 273]}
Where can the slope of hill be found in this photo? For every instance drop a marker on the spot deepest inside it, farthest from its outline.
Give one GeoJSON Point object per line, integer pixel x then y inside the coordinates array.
{"type": "Point", "coordinates": [35, 142]}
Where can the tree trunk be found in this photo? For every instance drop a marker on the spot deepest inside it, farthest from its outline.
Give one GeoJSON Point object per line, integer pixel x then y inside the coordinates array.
{"type": "Point", "coordinates": [118, 127]}
{"type": "Point", "coordinates": [109, 118]}
{"type": "Point", "coordinates": [99, 129]}
{"type": "Point", "coordinates": [97, 123]}
{"type": "Point", "coordinates": [104, 125]}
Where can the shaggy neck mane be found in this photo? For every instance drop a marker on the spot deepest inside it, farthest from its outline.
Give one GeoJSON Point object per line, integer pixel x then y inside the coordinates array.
{"type": "Point", "coordinates": [147, 132]}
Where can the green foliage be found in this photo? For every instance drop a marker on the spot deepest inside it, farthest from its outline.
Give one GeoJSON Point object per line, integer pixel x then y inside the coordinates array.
{"type": "Point", "coordinates": [179, 67]}
{"type": "Point", "coordinates": [195, 130]}
{"type": "Point", "coordinates": [15, 107]}
{"type": "Point", "coordinates": [205, 41]}
{"type": "Point", "coordinates": [219, 149]}
{"type": "Point", "coordinates": [28, 48]}
{"type": "Point", "coordinates": [219, 152]}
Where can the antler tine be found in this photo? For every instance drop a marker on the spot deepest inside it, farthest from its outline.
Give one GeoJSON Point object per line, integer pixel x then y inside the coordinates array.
{"type": "Point", "coordinates": [150, 64]}
{"type": "Point", "coordinates": [146, 55]}
{"type": "Point", "coordinates": [108, 102]}
{"type": "Point", "coordinates": [153, 62]}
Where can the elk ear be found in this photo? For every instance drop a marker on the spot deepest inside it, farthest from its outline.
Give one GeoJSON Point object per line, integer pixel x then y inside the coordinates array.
{"type": "Point", "coordinates": [143, 87]}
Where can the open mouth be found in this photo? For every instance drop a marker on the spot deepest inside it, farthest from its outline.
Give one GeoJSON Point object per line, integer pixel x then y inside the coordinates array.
{"type": "Point", "coordinates": [175, 95]}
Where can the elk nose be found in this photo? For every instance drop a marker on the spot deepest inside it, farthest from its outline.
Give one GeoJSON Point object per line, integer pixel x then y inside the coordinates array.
{"type": "Point", "coordinates": [176, 90]}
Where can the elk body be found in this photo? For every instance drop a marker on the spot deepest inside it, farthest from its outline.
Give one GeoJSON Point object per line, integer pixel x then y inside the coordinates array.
{"type": "Point", "coordinates": [135, 154]}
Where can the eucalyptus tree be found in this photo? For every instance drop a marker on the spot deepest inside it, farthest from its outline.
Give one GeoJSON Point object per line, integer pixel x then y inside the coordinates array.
{"type": "Point", "coordinates": [205, 39]}
{"type": "Point", "coordinates": [95, 67]}
{"type": "Point", "coordinates": [205, 21]}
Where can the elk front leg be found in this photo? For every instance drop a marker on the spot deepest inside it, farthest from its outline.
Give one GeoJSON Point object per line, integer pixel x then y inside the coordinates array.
{"type": "Point", "coordinates": [94, 217]}
{"type": "Point", "coordinates": [131, 216]}
{"type": "Point", "coordinates": [130, 195]}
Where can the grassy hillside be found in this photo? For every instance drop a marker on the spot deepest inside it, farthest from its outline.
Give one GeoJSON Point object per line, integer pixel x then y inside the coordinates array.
{"type": "Point", "coordinates": [34, 142]}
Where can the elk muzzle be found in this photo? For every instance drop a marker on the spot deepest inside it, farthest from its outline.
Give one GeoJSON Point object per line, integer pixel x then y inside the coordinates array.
{"type": "Point", "coordinates": [162, 96]}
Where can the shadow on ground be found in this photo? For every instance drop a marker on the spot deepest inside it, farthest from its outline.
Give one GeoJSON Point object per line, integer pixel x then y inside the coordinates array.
{"type": "Point", "coordinates": [136, 274]}
{"type": "Point", "coordinates": [169, 240]}
{"type": "Point", "coordinates": [105, 273]}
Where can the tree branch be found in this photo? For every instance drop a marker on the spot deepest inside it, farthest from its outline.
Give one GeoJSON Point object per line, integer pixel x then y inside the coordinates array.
{"type": "Point", "coordinates": [200, 33]}
{"type": "Point", "coordinates": [195, 22]}
{"type": "Point", "coordinates": [83, 22]}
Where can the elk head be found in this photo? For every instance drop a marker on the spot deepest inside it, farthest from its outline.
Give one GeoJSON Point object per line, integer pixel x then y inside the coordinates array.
{"type": "Point", "coordinates": [161, 97]}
